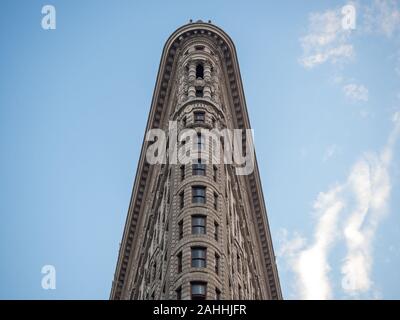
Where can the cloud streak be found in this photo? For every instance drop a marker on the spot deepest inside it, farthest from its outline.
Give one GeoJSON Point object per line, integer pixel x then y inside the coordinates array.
{"type": "Point", "coordinates": [326, 40]}
{"type": "Point", "coordinates": [356, 92]}
{"type": "Point", "coordinates": [361, 202]}
{"type": "Point", "coordinates": [382, 17]}
{"type": "Point", "coordinates": [370, 184]}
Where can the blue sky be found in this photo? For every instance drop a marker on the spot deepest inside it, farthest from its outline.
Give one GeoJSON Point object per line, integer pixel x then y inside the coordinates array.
{"type": "Point", "coordinates": [322, 100]}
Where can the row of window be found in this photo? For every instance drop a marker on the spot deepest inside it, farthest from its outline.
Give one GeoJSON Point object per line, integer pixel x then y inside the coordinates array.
{"type": "Point", "coordinates": [199, 226]}
{"type": "Point", "coordinates": [199, 169]}
{"type": "Point", "coordinates": [198, 196]}
{"type": "Point", "coordinates": [198, 291]}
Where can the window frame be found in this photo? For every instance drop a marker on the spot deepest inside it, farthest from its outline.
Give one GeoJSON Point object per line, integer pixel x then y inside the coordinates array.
{"type": "Point", "coordinates": [217, 263]}
{"type": "Point", "coordinates": [199, 116]}
{"type": "Point", "coordinates": [180, 229]}
{"type": "Point", "coordinates": [200, 296]}
{"type": "Point", "coordinates": [215, 204]}
{"type": "Point", "coordinates": [179, 293]}
{"type": "Point", "coordinates": [201, 258]}
{"type": "Point", "coordinates": [199, 168]}
{"type": "Point", "coordinates": [199, 226]}
{"type": "Point", "coordinates": [181, 200]}
{"type": "Point", "coordinates": [216, 231]}
{"type": "Point", "coordinates": [179, 257]}
{"type": "Point", "coordinates": [197, 197]}
{"type": "Point", "coordinates": [182, 172]}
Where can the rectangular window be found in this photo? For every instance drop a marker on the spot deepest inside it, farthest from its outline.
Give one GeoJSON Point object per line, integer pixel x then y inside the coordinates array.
{"type": "Point", "coordinates": [198, 194]}
{"type": "Point", "coordinates": [199, 257]}
{"type": "Point", "coordinates": [181, 200]}
{"type": "Point", "coordinates": [199, 117]}
{"type": "Point", "coordinates": [217, 294]}
{"type": "Point", "coordinates": [198, 290]}
{"type": "Point", "coordinates": [182, 169]}
{"type": "Point", "coordinates": [216, 230]}
{"type": "Point", "coordinates": [179, 293]}
{"type": "Point", "coordinates": [184, 122]}
{"type": "Point", "coordinates": [180, 229]}
{"type": "Point", "coordinates": [199, 169]}
{"type": "Point", "coordinates": [215, 201]}
{"type": "Point", "coordinates": [215, 173]}
{"type": "Point", "coordinates": [199, 93]}
{"type": "Point", "coordinates": [198, 224]}
{"type": "Point", "coordinates": [179, 258]}
{"type": "Point", "coordinates": [217, 263]}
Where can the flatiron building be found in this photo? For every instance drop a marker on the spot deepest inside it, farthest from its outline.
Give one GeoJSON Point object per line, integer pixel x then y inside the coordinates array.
{"type": "Point", "coordinates": [198, 229]}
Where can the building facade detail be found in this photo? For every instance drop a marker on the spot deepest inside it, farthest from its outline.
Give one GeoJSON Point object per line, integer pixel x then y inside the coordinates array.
{"type": "Point", "coordinates": [196, 230]}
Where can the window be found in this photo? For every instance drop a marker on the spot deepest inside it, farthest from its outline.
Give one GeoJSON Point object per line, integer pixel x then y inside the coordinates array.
{"type": "Point", "coordinates": [214, 122]}
{"type": "Point", "coordinates": [200, 141]}
{"type": "Point", "coordinates": [199, 169]}
{"type": "Point", "coordinates": [180, 229]}
{"type": "Point", "coordinates": [215, 173]}
{"type": "Point", "coordinates": [215, 201]}
{"type": "Point", "coordinates": [181, 200]}
{"type": "Point", "coordinates": [199, 194]}
{"type": "Point", "coordinates": [182, 169]}
{"type": "Point", "coordinates": [199, 48]}
{"type": "Point", "coordinates": [184, 122]}
{"type": "Point", "coordinates": [179, 257]}
{"type": "Point", "coordinates": [199, 117]}
{"type": "Point", "coordinates": [217, 294]}
{"type": "Point", "coordinates": [199, 93]}
{"type": "Point", "coordinates": [217, 263]}
{"type": "Point", "coordinates": [198, 290]}
{"type": "Point", "coordinates": [216, 230]}
{"type": "Point", "coordinates": [199, 257]}
{"type": "Point", "coordinates": [198, 224]}
{"type": "Point", "coordinates": [240, 292]}
{"type": "Point", "coordinates": [199, 71]}
{"type": "Point", "coordinates": [238, 263]}
{"type": "Point", "coordinates": [178, 293]}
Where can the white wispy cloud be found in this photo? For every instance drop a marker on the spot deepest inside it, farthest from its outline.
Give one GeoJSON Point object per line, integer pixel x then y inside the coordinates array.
{"type": "Point", "coordinates": [382, 17]}
{"type": "Point", "coordinates": [330, 152]}
{"type": "Point", "coordinates": [326, 40]}
{"type": "Point", "coordinates": [363, 199]}
{"type": "Point", "coordinates": [370, 185]}
{"type": "Point", "coordinates": [356, 92]}
{"type": "Point", "coordinates": [310, 263]}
